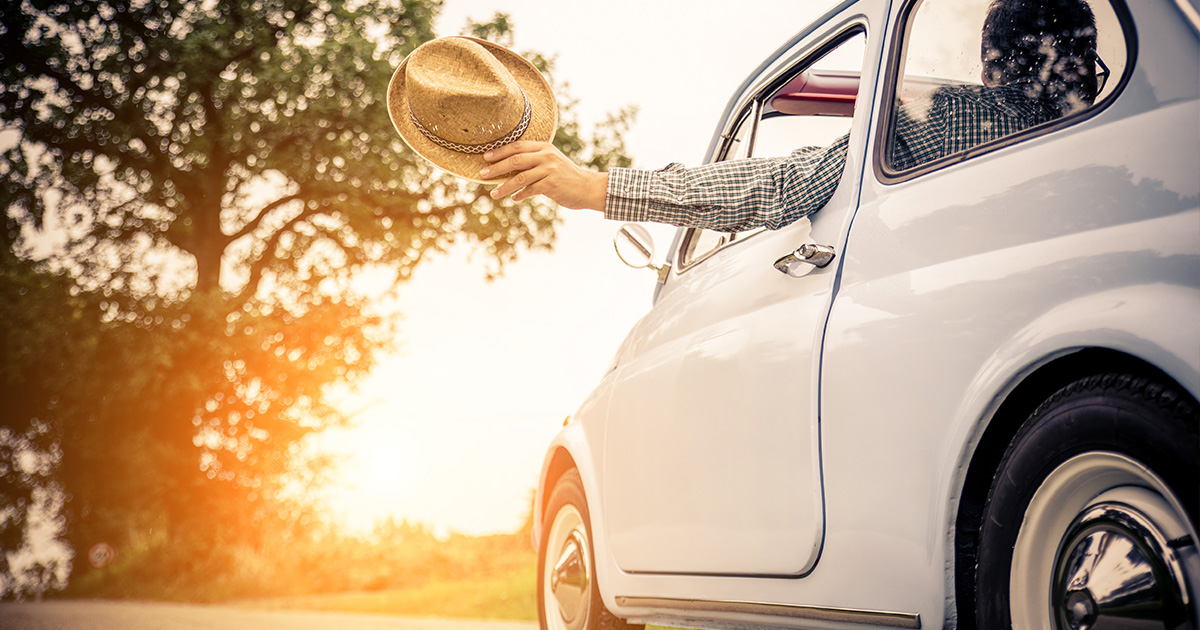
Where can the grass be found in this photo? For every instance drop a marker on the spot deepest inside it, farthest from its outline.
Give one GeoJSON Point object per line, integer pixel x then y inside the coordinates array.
{"type": "Point", "coordinates": [402, 569]}
{"type": "Point", "coordinates": [509, 597]}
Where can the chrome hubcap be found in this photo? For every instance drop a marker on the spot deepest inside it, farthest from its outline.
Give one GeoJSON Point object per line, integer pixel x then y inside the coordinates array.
{"type": "Point", "coordinates": [1116, 570]}
{"type": "Point", "coordinates": [567, 576]}
{"type": "Point", "coordinates": [1081, 610]}
{"type": "Point", "coordinates": [1104, 545]}
{"type": "Point", "coordinates": [569, 581]}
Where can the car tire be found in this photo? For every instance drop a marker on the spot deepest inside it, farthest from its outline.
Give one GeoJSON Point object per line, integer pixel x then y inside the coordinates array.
{"type": "Point", "coordinates": [568, 595]}
{"type": "Point", "coordinates": [1103, 478]}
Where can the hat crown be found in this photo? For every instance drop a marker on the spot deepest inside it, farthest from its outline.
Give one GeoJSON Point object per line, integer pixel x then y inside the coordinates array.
{"type": "Point", "coordinates": [460, 92]}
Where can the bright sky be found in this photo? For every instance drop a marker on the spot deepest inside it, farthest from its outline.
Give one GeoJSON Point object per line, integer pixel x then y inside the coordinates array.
{"type": "Point", "coordinates": [453, 428]}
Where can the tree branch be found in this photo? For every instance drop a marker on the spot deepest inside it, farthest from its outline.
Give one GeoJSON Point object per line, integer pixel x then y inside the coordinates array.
{"type": "Point", "coordinates": [260, 264]}
{"type": "Point", "coordinates": [253, 224]}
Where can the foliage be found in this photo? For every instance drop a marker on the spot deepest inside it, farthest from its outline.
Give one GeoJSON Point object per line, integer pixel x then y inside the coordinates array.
{"type": "Point", "coordinates": [510, 595]}
{"type": "Point", "coordinates": [37, 309]}
{"type": "Point", "coordinates": [397, 569]}
{"type": "Point", "coordinates": [192, 188]}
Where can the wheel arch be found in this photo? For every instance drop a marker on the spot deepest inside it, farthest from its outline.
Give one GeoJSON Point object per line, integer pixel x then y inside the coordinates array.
{"type": "Point", "coordinates": [1037, 386]}
{"type": "Point", "coordinates": [558, 462]}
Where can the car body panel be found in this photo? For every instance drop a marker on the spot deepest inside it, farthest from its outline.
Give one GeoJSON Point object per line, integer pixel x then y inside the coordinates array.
{"type": "Point", "coordinates": [953, 287]}
{"type": "Point", "coordinates": [724, 331]}
{"type": "Point", "coordinates": [675, 510]}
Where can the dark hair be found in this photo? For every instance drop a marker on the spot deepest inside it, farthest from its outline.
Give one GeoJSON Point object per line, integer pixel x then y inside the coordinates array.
{"type": "Point", "coordinates": [1050, 45]}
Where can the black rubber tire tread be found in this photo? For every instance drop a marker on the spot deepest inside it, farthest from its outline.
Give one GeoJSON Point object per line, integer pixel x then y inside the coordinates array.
{"type": "Point", "coordinates": [1153, 423]}
{"type": "Point", "coordinates": [569, 491]}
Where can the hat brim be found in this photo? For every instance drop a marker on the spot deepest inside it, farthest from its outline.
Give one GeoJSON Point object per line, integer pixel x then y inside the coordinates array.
{"type": "Point", "coordinates": [542, 125]}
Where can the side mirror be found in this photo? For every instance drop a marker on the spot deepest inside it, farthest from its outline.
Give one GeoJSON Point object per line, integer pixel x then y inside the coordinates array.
{"type": "Point", "coordinates": [634, 245]}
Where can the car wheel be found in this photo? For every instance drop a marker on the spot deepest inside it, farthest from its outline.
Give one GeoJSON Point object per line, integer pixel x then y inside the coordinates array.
{"type": "Point", "coordinates": [568, 596]}
{"type": "Point", "coordinates": [1091, 518]}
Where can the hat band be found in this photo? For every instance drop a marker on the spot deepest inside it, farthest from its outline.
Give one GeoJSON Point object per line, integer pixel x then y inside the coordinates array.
{"type": "Point", "coordinates": [517, 132]}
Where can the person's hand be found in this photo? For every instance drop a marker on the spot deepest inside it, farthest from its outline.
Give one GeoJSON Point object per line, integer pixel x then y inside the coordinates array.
{"type": "Point", "coordinates": [540, 169]}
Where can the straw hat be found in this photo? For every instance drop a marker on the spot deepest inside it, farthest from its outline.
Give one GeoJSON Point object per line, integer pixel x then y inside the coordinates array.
{"type": "Point", "coordinates": [455, 98]}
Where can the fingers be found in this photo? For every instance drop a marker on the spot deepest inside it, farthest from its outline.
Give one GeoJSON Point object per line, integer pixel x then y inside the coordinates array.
{"type": "Point", "coordinates": [520, 184]}
{"type": "Point", "coordinates": [517, 156]}
{"type": "Point", "coordinates": [513, 148]}
{"type": "Point", "coordinates": [531, 161]}
{"type": "Point", "coordinates": [537, 168]}
{"type": "Point", "coordinates": [519, 162]}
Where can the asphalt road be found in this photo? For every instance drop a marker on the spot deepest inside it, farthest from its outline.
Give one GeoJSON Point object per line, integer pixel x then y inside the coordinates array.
{"type": "Point", "coordinates": [97, 615]}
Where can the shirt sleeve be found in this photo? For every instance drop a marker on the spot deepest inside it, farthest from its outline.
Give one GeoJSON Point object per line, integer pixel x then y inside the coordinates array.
{"type": "Point", "coordinates": [730, 196]}
{"type": "Point", "coordinates": [920, 132]}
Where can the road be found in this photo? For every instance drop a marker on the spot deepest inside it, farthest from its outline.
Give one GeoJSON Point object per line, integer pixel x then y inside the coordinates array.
{"type": "Point", "coordinates": [98, 615]}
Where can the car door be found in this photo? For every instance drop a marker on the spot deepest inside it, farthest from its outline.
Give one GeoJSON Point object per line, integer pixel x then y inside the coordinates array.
{"type": "Point", "coordinates": [711, 454]}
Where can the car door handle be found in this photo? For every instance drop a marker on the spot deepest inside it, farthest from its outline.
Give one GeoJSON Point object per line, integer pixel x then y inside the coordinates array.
{"type": "Point", "coordinates": [810, 254]}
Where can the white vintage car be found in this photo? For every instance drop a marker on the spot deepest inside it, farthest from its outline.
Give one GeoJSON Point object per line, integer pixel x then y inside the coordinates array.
{"type": "Point", "coordinates": [962, 394]}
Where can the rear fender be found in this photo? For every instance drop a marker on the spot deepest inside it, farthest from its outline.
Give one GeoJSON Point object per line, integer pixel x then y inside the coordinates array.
{"type": "Point", "coordinates": [1124, 320]}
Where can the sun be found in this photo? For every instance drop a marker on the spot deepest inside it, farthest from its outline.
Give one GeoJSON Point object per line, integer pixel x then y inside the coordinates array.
{"type": "Point", "coordinates": [374, 475]}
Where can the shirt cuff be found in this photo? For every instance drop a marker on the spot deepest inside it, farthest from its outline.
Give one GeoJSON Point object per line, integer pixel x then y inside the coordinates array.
{"type": "Point", "coordinates": [628, 195]}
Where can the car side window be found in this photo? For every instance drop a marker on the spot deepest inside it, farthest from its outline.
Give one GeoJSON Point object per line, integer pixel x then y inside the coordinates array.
{"type": "Point", "coordinates": [976, 73]}
{"type": "Point", "coordinates": [811, 106]}
{"type": "Point", "coordinates": [814, 107]}
{"type": "Point", "coordinates": [698, 243]}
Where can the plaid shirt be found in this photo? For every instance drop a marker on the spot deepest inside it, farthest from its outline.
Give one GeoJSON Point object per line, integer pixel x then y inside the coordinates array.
{"type": "Point", "coordinates": [774, 192]}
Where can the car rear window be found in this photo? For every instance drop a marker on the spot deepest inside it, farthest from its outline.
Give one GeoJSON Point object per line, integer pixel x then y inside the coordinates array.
{"type": "Point", "coordinates": [973, 75]}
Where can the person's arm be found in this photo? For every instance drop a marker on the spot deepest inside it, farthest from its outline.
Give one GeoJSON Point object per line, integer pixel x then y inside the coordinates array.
{"type": "Point", "coordinates": [727, 196]}
{"type": "Point", "coordinates": [730, 196]}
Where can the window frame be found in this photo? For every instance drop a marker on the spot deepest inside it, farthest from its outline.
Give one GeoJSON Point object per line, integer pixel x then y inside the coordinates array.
{"type": "Point", "coordinates": [686, 263]}
{"type": "Point", "coordinates": [751, 111]}
{"type": "Point", "coordinates": [748, 114]}
{"type": "Point", "coordinates": [893, 61]}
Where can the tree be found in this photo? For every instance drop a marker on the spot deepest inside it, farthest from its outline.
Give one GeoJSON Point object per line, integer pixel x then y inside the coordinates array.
{"type": "Point", "coordinates": [38, 315]}
{"type": "Point", "coordinates": [216, 174]}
